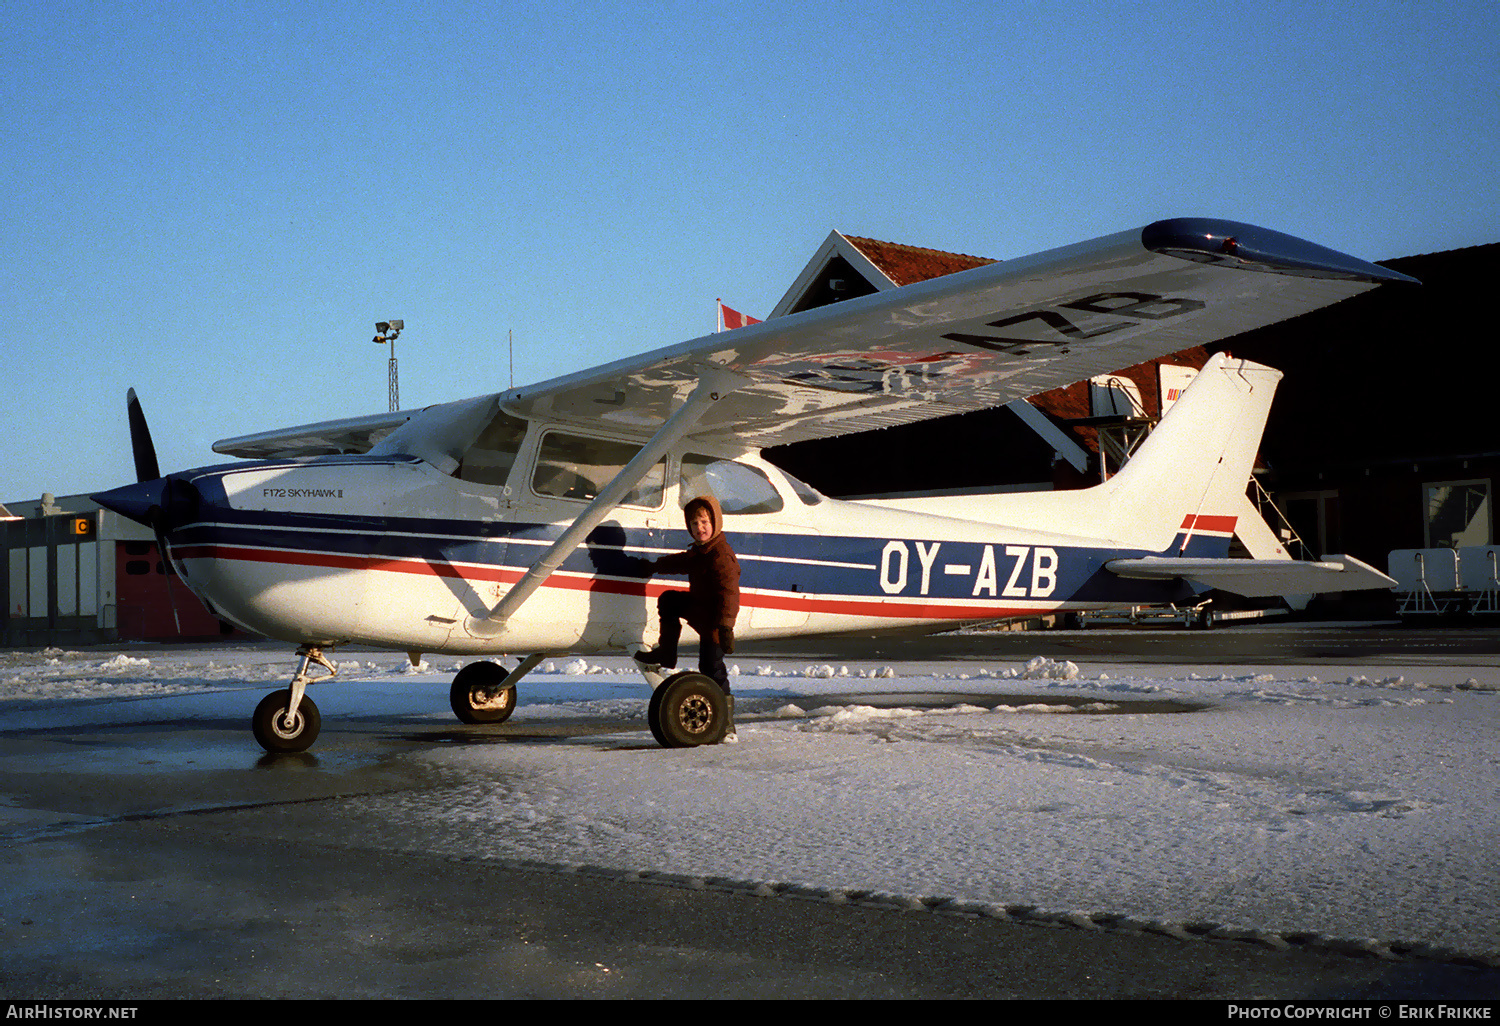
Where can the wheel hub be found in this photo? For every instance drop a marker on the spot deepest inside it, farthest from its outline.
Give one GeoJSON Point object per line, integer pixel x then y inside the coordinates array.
{"type": "Point", "coordinates": [489, 697]}
{"type": "Point", "coordinates": [696, 714]}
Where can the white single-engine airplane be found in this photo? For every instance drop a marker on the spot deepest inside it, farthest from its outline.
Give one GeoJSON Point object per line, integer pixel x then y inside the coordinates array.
{"type": "Point", "coordinates": [514, 523]}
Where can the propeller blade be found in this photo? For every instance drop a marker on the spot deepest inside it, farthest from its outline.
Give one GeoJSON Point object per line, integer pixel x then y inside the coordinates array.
{"type": "Point", "coordinates": [146, 467]}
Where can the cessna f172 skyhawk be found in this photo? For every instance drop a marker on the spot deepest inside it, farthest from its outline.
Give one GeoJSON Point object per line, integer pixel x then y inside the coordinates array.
{"type": "Point", "coordinates": [514, 523]}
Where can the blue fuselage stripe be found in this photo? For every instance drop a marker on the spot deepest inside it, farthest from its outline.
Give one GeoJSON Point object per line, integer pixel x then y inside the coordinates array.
{"type": "Point", "coordinates": [795, 564]}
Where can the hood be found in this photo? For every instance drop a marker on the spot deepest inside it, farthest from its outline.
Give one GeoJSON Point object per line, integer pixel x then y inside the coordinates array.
{"type": "Point", "coordinates": [715, 513]}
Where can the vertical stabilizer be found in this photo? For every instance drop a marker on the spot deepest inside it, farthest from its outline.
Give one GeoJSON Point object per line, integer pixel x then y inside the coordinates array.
{"type": "Point", "coordinates": [1184, 489]}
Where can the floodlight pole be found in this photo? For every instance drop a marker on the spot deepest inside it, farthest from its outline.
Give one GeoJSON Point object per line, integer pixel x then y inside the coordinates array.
{"type": "Point", "coordinates": [386, 331]}
{"type": "Point", "coordinates": [395, 386]}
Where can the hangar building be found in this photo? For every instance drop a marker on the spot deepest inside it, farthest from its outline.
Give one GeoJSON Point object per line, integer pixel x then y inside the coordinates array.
{"type": "Point", "coordinates": [80, 575]}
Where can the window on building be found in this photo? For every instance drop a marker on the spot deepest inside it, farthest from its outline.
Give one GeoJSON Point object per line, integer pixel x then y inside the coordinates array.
{"type": "Point", "coordinates": [576, 467]}
{"type": "Point", "coordinates": [738, 487]}
{"type": "Point", "coordinates": [1457, 513]}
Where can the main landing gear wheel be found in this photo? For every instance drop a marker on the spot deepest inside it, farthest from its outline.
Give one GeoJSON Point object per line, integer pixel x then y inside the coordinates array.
{"type": "Point", "coordinates": [277, 732]}
{"type": "Point", "coordinates": [476, 694]}
{"type": "Point", "coordinates": [688, 710]}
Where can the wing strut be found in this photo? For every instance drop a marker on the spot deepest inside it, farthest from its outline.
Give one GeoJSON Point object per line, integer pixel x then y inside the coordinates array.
{"type": "Point", "coordinates": [712, 384]}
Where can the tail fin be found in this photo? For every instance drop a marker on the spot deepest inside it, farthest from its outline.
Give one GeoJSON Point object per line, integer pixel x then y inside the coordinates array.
{"type": "Point", "coordinates": [1184, 489]}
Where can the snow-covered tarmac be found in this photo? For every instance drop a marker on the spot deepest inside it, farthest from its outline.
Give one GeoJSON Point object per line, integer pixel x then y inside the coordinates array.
{"type": "Point", "coordinates": [1261, 799]}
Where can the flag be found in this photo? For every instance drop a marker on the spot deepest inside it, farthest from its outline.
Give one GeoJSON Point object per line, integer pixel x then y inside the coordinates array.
{"type": "Point", "coordinates": [733, 318]}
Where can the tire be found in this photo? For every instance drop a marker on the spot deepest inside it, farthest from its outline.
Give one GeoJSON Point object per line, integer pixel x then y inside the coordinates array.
{"type": "Point", "coordinates": [688, 710]}
{"type": "Point", "coordinates": [476, 695]}
{"type": "Point", "coordinates": [276, 735]}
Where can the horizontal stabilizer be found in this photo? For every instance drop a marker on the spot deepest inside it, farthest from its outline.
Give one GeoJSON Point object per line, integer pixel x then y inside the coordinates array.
{"type": "Point", "coordinates": [1259, 578]}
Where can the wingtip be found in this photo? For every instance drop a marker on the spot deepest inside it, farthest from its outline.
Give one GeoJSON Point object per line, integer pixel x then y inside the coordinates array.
{"type": "Point", "coordinates": [1246, 246]}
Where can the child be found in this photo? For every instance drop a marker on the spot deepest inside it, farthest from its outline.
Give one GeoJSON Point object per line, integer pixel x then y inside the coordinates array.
{"type": "Point", "coordinates": [712, 601]}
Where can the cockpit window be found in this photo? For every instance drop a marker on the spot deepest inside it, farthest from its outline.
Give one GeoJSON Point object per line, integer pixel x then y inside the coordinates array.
{"type": "Point", "coordinates": [738, 487]}
{"type": "Point", "coordinates": [809, 495]}
{"type": "Point", "coordinates": [575, 467]}
{"type": "Point", "coordinates": [489, 459]}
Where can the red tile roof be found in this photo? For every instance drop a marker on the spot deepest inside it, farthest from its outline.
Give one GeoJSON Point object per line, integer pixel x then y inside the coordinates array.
{"type": "Point", "coordinates": [907, 264]}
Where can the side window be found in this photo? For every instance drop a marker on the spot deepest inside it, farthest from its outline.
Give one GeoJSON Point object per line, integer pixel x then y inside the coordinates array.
{"type": "Point", "coordinates": [738, 487]}
{"type": "Point", "coordinates": [809, 495]}
{"type": "Point", "coordinates": [574, 467]}
{"type": "Point", "coordinates": [489, 459]}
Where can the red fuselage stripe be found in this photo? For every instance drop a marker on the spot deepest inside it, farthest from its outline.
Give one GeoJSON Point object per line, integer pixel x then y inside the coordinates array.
{"type": "Point", "coordinates": [572, 582]}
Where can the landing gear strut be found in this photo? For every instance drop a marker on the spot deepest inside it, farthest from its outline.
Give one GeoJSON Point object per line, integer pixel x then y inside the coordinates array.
{"type": "Point", "coordinates": [288, 721]}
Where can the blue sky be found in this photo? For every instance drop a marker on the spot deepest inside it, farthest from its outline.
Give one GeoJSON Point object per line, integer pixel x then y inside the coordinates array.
{"type": "Point", "coordinates": [214, 202]}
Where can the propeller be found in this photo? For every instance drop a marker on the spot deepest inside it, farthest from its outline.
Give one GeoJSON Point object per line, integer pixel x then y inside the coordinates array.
{"type": "Point", "coordinates": [160, 503]}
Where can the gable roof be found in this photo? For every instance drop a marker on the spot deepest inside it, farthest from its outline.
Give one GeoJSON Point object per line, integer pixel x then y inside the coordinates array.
{"type": "Point", "coordinates": [848, 266]}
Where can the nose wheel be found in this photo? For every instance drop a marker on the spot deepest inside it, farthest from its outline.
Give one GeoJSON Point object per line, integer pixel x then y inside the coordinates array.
{"type": "Point", "coordinates": [280, 727]}
{"type": "Point", "coordinates": [288, 721]}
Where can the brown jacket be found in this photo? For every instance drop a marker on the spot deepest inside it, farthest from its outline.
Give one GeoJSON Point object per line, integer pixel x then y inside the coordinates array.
{"type": "Point", "coordinates": [713, 571]}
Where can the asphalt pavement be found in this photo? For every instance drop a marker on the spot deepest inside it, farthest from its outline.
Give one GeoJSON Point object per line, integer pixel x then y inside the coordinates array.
{"type": "Point", "coordinates": [160, 860]}
{"type": "Point", "coordinates": [1262, 642]}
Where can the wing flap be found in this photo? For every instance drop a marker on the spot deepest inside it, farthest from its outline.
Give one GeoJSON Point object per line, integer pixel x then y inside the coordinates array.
{"type": "Point", "coordinates": [1259, 578]}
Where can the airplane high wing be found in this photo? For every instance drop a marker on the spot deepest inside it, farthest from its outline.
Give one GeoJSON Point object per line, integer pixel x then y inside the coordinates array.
{"type": "Point", "coordinates": [965, 341]}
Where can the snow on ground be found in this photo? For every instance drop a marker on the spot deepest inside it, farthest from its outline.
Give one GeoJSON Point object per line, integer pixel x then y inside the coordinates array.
{"type": "Point", "coordinates": [1360, 807]}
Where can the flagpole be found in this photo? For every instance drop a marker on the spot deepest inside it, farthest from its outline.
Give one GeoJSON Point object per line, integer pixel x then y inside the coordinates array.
{"type": "Point", "coordinates": [719, 325]}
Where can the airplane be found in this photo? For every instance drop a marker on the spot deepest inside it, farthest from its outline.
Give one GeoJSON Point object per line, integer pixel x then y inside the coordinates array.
{"type": "Point", "coordinates": [514, 523]}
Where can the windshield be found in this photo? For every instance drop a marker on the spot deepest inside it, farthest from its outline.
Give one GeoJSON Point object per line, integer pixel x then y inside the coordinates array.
{"type": "Point", "coordinates": [738, 487]}
{"type": "Point", "coordinates": [489, 460]}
